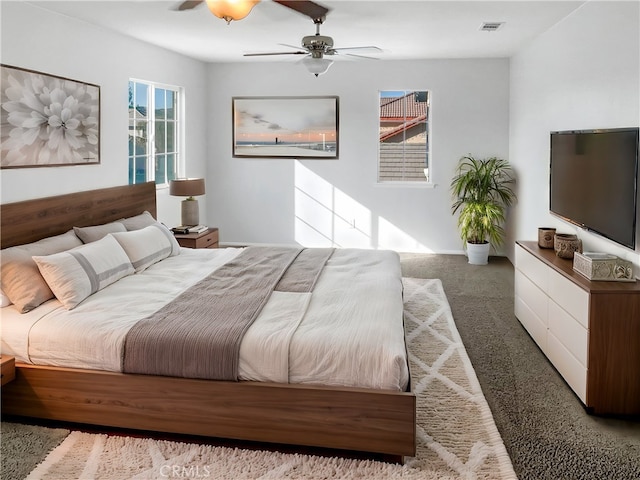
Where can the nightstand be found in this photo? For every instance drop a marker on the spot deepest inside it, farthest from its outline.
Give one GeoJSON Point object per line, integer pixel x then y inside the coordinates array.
{"type": "Point", "coordinates": [206, 239]}
{"type": "Point", "coordinates": [8, 368]}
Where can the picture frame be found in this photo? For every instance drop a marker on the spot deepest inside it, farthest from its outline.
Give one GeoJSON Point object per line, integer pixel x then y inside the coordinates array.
{"type": "Point", "coordinates": [47, 120]}
{"type": "Point", "coordinates": [286, 127]}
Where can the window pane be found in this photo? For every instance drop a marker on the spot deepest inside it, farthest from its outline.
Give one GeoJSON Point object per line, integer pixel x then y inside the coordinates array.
{"type": "Point", "coordinates": [171, 167]}
{"type": "Point", "coordinates": [403, 151]}
{"type": "Point", "coordinates": [161, 168]}
{"type": "Point", "coordinates": [171, 136]}
{"type": "Point", "coordinates": [131, 102]}
{"type": "Point", "coordinates": [421, 96]}
{"type": "Point", "coordinates": [132, 137]}
{"type": "Point", "coordinates": [160, 104]}
{"type": "Point", "coordinates": [171, 104]}
{"type": "Point", "coordinates": [140, 170]}
{"type": "Point", "coordinates": [160, 137]}
{"type": "Point", "coordinates": [141, 100]}
{"type": "Point", "coordinates": [131, 171]}
{"type": "Point", "coordinates": [140, 133]}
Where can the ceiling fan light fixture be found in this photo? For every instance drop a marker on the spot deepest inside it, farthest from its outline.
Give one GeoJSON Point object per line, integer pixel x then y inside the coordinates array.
{"type": "Point", "coordinates": [317, 65]}
{"type": "Point", "coordinates": [231, 9]}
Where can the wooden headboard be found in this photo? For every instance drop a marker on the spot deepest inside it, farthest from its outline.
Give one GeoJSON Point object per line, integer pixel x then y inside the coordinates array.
{"type": "Point", "coordinates": [31, 220]}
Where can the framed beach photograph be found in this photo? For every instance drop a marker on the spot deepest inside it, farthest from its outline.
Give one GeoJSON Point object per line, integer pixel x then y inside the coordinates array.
{"type": "Point", "coordinates": [46, 120]}
{"type": "Point", "coordinates": [285, 127]}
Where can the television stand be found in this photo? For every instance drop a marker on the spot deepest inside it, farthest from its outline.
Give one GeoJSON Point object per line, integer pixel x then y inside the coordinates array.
{"type": "Point", "coordinates": [589, 331]}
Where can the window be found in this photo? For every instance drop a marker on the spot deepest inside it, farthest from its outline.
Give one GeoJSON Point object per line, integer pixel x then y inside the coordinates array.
{"type": "Point", "coordinates": [154, 132]}
{"type": "Point", "coordinates": [403, 155]}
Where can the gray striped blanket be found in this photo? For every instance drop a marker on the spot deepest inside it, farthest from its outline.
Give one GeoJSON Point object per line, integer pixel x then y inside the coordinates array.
{"type": "Point", "coordinates": [198, 334]}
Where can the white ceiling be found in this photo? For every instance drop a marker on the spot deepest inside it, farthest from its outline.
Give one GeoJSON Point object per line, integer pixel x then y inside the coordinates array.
{"type": "Point", "coordinates": [402, 29]}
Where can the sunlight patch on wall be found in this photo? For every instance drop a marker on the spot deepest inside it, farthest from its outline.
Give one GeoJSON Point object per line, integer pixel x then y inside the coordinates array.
{"type": "Point", "coordinates": [393, 238]}
{"type": "Point", "coordinates": [325, 216]}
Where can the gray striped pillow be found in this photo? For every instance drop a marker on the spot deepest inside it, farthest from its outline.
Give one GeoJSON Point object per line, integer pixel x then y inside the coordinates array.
{"type": "Point", "coordinates": [75, 274]}
{"type": "Point", "coordinates": [146, 246]}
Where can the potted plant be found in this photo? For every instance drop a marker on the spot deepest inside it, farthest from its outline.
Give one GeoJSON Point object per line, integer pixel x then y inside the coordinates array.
{"type": "Point", "coordinates": [482, 192]}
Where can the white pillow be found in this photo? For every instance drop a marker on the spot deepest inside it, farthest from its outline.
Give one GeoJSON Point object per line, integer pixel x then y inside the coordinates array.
{"type": "Point", "coordinates": [96, 232]}
{"type": "Point", "coordinates": [20, 279]}
{"type": "Point", "coordinates": [75, 274]}
{"type": "Point", "coordinates": [175, 246]}
{"type": "Point", "coordinates": [139, 221]}
{"type": "Point", "coordinates": [147, 246]}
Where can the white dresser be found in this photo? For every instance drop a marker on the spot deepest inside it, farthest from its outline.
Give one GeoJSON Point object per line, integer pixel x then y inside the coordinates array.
{"type": "Point", "coordinates": [589, 331]}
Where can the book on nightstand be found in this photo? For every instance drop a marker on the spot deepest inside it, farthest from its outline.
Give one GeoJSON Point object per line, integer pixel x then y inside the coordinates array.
{"type": "Point", "coordinates": [184, 229]}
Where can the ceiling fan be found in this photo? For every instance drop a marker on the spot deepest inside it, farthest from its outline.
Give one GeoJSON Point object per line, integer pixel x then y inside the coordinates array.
{"type": "Point", "coordinates": [314, 47]}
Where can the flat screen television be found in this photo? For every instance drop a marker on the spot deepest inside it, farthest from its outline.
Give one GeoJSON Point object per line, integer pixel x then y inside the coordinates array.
{"type": "Point", "coordinates": [594, 181]}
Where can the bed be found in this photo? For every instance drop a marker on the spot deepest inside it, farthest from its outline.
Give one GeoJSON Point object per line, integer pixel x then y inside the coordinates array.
{"type": "Point", "coordinates": [265, 407]}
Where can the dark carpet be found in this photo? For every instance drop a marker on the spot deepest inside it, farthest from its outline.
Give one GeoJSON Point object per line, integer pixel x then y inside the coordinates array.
{"type": "Point", "coordinates": [545, 428]}
{"type": "Point", "coordinates": [25, 446]}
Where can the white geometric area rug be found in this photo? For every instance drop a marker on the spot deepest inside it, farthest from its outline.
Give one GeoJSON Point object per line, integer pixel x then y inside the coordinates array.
{"type": "Point", "coordinates": [456, 435]}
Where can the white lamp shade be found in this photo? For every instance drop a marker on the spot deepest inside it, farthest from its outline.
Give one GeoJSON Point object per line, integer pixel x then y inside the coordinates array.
{"type": "Point", "coordinates": [317, 66]}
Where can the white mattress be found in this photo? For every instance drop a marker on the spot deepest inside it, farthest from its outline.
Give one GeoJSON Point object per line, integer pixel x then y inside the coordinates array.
{"type": "Point", "coordinates": [348, 332]}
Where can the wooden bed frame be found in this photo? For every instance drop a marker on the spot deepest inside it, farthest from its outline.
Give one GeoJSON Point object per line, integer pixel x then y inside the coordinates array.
{"type": "Point", "coordinates": [355, 419]}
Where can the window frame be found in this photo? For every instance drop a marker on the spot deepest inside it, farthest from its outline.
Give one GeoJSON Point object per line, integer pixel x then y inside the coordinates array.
{"type": "Point", "coordinates": [152, 121]}
{"type": "Point", "coordinates": [410, 182]}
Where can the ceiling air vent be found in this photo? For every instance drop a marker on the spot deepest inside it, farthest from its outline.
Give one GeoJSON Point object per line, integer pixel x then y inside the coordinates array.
{"type": "Point", "coordinates": [490, 26]}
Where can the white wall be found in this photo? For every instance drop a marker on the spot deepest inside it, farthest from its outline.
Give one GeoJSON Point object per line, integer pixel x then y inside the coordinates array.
{"type": "Point", "coordinates": [315, 202]}
{"type": "Point", "coordinates": [584, 73]}
{"type": "Point", "coordinates": [36, 39]}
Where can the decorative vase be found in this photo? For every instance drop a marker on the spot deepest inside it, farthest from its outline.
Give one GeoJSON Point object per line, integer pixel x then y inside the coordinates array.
{"type": "Point", "coordinates": [478, 253]}
{"type": "Point", "coordinates": [566, 244]}
{"type": "Point", "coordinates": [546, 236]}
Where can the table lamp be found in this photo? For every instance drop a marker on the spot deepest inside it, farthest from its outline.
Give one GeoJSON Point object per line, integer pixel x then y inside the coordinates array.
{"type": "Point", "coordinates": [188, 187]}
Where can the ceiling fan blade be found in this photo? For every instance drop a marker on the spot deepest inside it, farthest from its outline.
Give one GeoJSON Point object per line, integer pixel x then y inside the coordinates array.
{"type": "Point", "coordinates": [290, 46]}
{"type": "Point", "coordinates": [359, 56]}
{"type": "Point", "coordinates": [305, 7]}
{"type": "Point", "coordinates": [275, 53]}
{"type": "Point", "coordinates": [188, 5]}
{"type": "Point", "coordinates": [369, 48]}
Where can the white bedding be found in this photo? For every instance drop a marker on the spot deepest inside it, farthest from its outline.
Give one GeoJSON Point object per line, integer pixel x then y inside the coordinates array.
{"type": "Point", "coordinates": [348, 332]}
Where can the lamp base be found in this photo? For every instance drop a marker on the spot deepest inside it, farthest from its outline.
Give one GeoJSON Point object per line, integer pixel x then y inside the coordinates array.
{"type": "Point", "coordinates": [190, 213]}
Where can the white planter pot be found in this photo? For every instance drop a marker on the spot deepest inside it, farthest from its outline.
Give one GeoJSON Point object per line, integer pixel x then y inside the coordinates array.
{"type": "Point", "coordinates": [478, 253]}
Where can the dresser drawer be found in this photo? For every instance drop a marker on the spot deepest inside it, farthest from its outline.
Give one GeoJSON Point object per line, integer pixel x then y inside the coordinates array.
{"type": "Point", "coordinates": [569, 296]}
{"type": "Point", "coordinates": [574, 373]}
{"type": "Point", "coordinates": [569, 332]}
{"type": "Point", "coordinates": [537, 271]}
{"type": "Point", "coordinates": [532, 324]}
{"type": "Point", "coordinates": [532, 296]}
